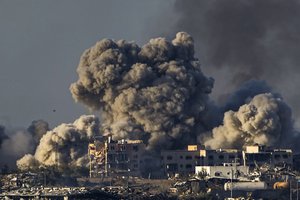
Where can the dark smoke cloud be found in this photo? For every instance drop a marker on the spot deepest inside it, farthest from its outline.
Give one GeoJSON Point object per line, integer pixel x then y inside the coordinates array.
{"type": "Point", "coordinates": [158, 89]}
{"type": "Point", "coordinates": [246, 92]}
{"type": "Point", "coordinates": [37, 129]}
{"type": "Point", "coordinates": [15, 143]}
{"type": "Point", "coordinates": [246, 39]}
{"type": "Point", "coordinates": [3, 135]}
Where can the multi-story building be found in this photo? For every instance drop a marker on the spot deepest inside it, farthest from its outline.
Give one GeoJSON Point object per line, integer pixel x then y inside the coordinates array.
{"type": "Point", "coordinates": [262, 155]}
{"type": "Point", "coordinates": [181, 161]}
{"type": "Point", "coordinates": [111, 157]}
{"type": "Point", "coordinates": [184, 161]}
{"type": "Point", "coordinates": [125, 155]}
{"type": "Point", "coordinates": [218, 157]}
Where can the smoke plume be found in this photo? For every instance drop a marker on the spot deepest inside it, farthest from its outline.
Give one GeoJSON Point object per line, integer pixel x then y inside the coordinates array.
{"type": "Point", "coordinates": [265, 120]}
{"type": "Point", "coordinates": [64, 147]}
{"type": "Point", "coordinates": [246, 39]}
{"type": "Point", "coordinates": [3, 135]}
{"type": "Point", "coordinates": [14, 143]}
{"type": "Point", "coordinates": [37, 129]}
{"type": "Point", "coordinates": [158, 89]}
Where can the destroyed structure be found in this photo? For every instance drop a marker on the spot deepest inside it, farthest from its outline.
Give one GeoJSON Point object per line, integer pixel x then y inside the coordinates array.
{"type": "Point", "coordinates": [123, 156]}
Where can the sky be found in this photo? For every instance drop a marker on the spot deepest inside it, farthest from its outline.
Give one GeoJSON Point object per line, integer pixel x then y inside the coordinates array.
{"type": "Point", "coordinates": [41, 43]}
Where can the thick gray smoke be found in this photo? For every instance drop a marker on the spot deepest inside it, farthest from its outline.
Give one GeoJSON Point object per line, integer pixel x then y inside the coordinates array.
{"type": "Point", "coordinates": [15, 143]}
{"type": "Point", "coordinates": [3, 135]}
{"type": "Point", "coordinates": [37, 129]}
{"type": "Point", "coordinates": [265, 120]}
{"type": "Point", "coordinates": [245, 93]}
{"type": "Point", "coordinates": [64, 147]}
{"type": "Point", "coordinates": [158, 89]}
{"type": "Point", "coordinates": [246, 39]}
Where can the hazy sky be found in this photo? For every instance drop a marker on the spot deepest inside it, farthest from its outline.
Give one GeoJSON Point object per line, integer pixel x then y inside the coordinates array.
{"type": "Point", "coordinates": [41, 43]}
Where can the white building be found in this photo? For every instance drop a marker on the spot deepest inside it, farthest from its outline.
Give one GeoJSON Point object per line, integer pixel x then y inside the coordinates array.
{"type": "Point", "coordinates": [227, 171]}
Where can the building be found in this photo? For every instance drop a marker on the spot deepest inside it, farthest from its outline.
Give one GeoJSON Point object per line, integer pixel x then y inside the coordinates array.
{"type": "Point", "coordinates": [181, 161]}
{"type": "Point", "coordinates": [184, 161]}
{"type": "Point", "coordinates": [220, 156]}
{"type": "Point", "coordinates": [125, 155]}
{"type": "Point", "coordinates": [262, 155]}
{"type": "Point", "coordinates": [227, 171]}
{"type": "Point", "coordinates": [116, 157]}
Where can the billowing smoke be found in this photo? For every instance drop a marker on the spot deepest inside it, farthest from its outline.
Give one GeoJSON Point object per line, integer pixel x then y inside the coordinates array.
{"type": "Point", "coordinates": [37, 129]}
{"type": "Point", "coordinates": [246, 39]}
{"type": "Point", "coordinates": [64, 147]}
{"type": "Point", "coordinates": [245, 93]}
{"type": "Point", "coordinates": [157, 89]}
{"type": "Point", "coordinates": [3, 135]}
{"type": "Point", "coordinates": [264, 120]}
{"type": "Point", "coordinates": [14, 143]}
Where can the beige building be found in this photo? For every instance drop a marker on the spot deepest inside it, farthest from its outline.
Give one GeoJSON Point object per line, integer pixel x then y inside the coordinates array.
{"type": "Point", "coordinates": [111, 157]}
{"type": "Point", "coordinates": [125, 156]}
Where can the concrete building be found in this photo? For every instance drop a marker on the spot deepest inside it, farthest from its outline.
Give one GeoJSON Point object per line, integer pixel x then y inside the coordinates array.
{"type": "Point", "coordinates": [220, 156]}
{"type": "Point", "coordinates": [125, 155]}
{"type": "Point", "coordinates": [181, 161]}
{"type": "Point", "coordinates": [227, 171]}
{"type": "Point", "coordinates": [262, 155]}
{"type": "Point", "coordinates": [111, 157]}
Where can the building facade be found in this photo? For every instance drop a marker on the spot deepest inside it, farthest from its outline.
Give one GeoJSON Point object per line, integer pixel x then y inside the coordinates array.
{"type": "Point", "coordinates": [261, 155]}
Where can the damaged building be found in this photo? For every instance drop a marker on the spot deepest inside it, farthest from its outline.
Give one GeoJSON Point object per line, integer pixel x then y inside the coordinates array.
{"type": "Point", "coordinates": [122, 156]}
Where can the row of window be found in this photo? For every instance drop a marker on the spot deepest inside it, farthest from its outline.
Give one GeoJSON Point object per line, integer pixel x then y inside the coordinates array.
{"type": "Point", "coordinates": [123, 148]}
{"type": "Point", "coordinates": [210, 157]}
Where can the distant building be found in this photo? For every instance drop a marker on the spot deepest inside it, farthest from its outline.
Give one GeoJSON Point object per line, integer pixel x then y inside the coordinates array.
{"type": "Point", "coordinates": [220, 156]}
{"type": "Point", "coordinates": [227, 171]}
{"type": "Point", "coordinates": [125, 155]}
{"type": "Point", "coordinates": [261, 155]}
{"type": "Point", "coordinates": [115, 157]}
{"type": "Point", "coordinates": [184, 161]}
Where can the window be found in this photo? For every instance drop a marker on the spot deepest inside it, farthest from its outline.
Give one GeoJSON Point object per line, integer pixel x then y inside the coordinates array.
{"type": "Point", "coordinates": [211, 157]}
{"type": "Point", "coordinates": [172, 167]}
{"type": "Point", "coordinates": [135, 165]}
{"type": "Point", "coordinates": [218, 173]}
{"type": "Point", "coordinates": [221, 157]}
{"type": "Point", "coordinates": [231, 156]}
{"type": "Point", "coordinates": [277, 156]}
{"type": "Point", "coordinates": [112, 148]}
{"type": "Point", "coordinates": [135, 156]}
{"type": "Point", "coordinates": [188, 157]}
{"type": "Point", "coordinates": [285, 156]}
{"type": "Point", "coordinates": [181, 157]}
{"type": "Point", "coordinates": [181, 166]}
{"type": "Point", "coordinates": [188, 166]}
{"type": "Point", "coordinates": [135, 148]}
{"type": "Point", "coordinates": [169, 157]}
